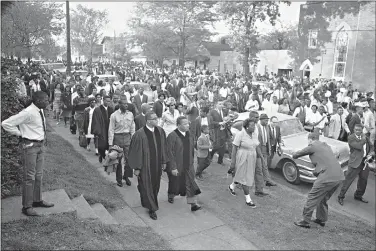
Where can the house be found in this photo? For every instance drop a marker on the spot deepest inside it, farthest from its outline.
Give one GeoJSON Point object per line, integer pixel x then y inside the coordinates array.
{"type": "Point", "coordinates": [270, 60]}
{"type": "Point", "coordinates": [349, 53]}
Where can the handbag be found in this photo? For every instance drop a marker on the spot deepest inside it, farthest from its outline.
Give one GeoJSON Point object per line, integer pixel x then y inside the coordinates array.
{"type": "Point", "coordinates": [82, 141]}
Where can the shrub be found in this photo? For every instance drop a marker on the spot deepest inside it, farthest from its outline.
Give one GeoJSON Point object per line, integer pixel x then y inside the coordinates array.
{"type": "Point", "coordinates": [11, 165]}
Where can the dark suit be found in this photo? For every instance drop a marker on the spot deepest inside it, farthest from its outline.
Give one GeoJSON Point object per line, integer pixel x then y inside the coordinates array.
{"type": "Point", "coordinates": [329, 178]}
{"type": "Point", "coordinates": [261, 172]}
{"type": "Point", "coordinates": [275, 139]}
{"type": "Point", "coordinates": [139, 121]}
{"type": "Point", "coordinates": [99, 127]}
{"type": "Point", "coordinates": [138, 102]}
{"type": "Point", "coordinates": [356, 165]}
{"type": "Point", "coordinates": [158, 108]}
{"type": "Point", "coordinates": [217, 136]}
{"type": "Point", "coordinates": [355, 119]}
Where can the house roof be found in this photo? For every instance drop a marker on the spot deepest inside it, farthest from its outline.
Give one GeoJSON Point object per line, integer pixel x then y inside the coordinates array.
{"type": "Point", "coordinates": [215, 48]}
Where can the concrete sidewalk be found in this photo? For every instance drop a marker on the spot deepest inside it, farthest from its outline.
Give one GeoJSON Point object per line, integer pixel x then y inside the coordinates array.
{"type": "Point", "coordinates": [183, 229]}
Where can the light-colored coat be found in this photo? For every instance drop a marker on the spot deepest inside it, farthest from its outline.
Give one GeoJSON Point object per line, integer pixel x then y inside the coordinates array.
{"type": "Point", "coordinates": [335, 126]}
{"type": "Point", "coordinates": [203, 146]}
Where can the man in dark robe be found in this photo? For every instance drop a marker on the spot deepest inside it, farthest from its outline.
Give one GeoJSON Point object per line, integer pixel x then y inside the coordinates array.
{"type": "Point", "coordinates": [147, 156]}
{"type": "Point", "coordinates": [100, 124]}
{"type": "Point", "coordinates": [180, 170]}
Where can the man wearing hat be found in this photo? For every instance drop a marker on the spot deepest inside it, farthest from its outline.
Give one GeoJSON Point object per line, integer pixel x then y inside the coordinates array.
{"type": "Point", "coordinates": [329, 177]}
{"type": "Point", "coordinates": [261, 172]}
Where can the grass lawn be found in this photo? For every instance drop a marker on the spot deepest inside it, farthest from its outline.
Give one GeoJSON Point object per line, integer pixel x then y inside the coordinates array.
{"type": "Point", "coordinates": [64, 232]}
{"type": "Point", "coordinates": [270, 225]}
{"type": "Point", "coordinates": [67, 169]}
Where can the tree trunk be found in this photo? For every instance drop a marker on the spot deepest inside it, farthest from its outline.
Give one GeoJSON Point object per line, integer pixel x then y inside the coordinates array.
{"type": "Point", "coordinates": [245, 61]}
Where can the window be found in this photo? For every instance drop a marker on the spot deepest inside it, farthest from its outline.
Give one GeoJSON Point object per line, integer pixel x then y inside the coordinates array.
{"type": "Point", "coordinates": [340, 54]}
{"type": "Point", "coordinates": [312, 39]}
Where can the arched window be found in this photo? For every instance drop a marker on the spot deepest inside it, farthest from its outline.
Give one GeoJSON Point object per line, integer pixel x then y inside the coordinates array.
{"type": "Point", "coordinates": [340, 54]}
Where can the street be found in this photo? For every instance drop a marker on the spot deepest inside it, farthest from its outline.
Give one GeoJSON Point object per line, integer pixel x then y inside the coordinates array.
{"type": "Point", "coordinates": [362, 210]}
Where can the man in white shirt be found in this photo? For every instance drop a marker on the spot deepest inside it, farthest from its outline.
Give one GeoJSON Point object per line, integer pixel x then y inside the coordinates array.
{"type": "Point", "coordinates": [266, 103]}
{"type": "Point", "coordinates": [223, 92]}
{"type": "Point", "coordinates": [369, 121]}
{"type": "Point", "coordinates": [252, 104]}
{"type": "Point", "coordinates": [273, 106]}
{"type": "Point", "coordinates": [30, 126]}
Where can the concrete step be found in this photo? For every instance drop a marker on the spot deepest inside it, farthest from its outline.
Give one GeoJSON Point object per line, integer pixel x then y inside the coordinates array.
{"type": "Point", "coordinates": [127, 217]}
{"type": "Point", "coordinates": [11, 207]}
{"type": "Point", "coordinates": [84, 210]}
{"type": "Point", "coordinates": [103, 215]}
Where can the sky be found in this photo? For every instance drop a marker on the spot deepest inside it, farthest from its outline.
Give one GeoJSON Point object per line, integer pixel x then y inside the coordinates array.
{"type": "Point", "coordinates": [120, 12]}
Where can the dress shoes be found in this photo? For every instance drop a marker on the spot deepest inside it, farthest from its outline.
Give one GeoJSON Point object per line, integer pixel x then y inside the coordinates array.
{"type": "Point", "coordinates": [100, 159]}
{"type": "Point", "coordinates": [270, 184]}
{"type": "Point", "coordinates": [361, 199]}
{"type": "Point", "coordinates": [232, 191]}
{"type": "Point", "coordinates": [119, 184]}
{"type": "Point", "coordinates": [302, 223]}
{"type": "Point", "coordinates": [171, 200]}
{"type": "Point", "coordinates": [261, 194]}
{"type": "Point", "coordinates": [127, 181]}
{"type": "Point", "coordinates": [195, 207]}
{"type": "Point", "coordinates": [42, 203]}
{"type": "Point", "coordinates": [29, 212]}
{"type": "Point", "coordinates": [251, 204]}
{"type": "Point", "coordinates": [340, 201]}
{"type": "Point", "coordinates": [320, 222]}
{"type": "Point", "coordinates": [199, 177]}
{"type": "Point", "coordinates": [153, 215]}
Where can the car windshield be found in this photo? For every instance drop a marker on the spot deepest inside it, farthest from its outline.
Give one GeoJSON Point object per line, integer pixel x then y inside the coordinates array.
{"type": "Point", "coordinates": [290, 126]}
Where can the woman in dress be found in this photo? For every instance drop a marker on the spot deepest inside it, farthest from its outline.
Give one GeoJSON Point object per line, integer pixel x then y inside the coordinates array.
{"type": "Point", "coordinates": [66, 101]}
{"type": "Point", "coordinates": [169, 117]}
{"type": "Point", "coordinates": [57, 101]}
{"type": "Point", "coordinates": [243, 162]}
{"type": "Point", "coordinates": [88, 116]}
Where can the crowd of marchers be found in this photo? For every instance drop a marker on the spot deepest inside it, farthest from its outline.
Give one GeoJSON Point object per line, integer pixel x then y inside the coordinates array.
{"type": "Point", "coordinates": [189, 112]}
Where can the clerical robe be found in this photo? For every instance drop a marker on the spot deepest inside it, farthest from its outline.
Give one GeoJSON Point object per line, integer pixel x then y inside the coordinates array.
{"type": "Point", "coordinates": [180, 154]}
{"type": "Point", "coordinates": [147, 153]}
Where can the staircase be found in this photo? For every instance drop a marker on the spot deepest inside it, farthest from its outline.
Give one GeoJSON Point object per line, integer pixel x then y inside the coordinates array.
{"type": "Point", "coordinates": [79, 207]}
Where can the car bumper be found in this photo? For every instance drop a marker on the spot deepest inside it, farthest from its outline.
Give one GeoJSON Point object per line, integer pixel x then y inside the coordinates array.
{"type": "Point", "coordinates": [306, 174]}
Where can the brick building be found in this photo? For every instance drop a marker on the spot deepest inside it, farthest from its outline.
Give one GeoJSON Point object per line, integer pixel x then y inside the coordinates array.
{"type": "Point", "coordinates": [348, 53]}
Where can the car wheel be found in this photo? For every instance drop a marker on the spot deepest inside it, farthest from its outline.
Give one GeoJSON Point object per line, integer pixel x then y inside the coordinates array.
{"type": "Point", "coordinates": [291, 172]}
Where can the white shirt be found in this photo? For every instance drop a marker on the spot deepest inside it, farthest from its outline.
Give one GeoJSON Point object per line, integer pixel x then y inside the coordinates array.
{"type": "Point", "coordinates": [330, 107]}
{"type": "Point", "coordinates": [150, 128]}
{"type": "Point", "coordinates": [266, 105]}
{"type": "Point", "coordinates": [29, 123]}
{"type": "Point", "coordinates": [364, 147]}
{"type": "Point", "coordinates": [273, 108]}
{"type": "Point", "coordinates": [204, 121]}
{"type": "Point", "coordinates": [369, 121]}
{"type": "Point", "coordinates": [313, 117]}
{"type": "Point", "coordinates": [182, 132]}
{"type": "Point", "coordinates": [223, 92]}
{"type": "Point", "coordinates": [35, 86]}
{"type": "Point", "coordinates": [210, 96]}
{"type": "Point", "coordinates": [252, 105]}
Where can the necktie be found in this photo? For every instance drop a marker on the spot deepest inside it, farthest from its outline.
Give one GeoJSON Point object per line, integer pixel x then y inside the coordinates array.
{"type": "Point", "coordinates": [340, 117]}
{"type": "Point", "coordinates": [274, 133]}
{"type": "Point", "coordinates": [44, 124]}
{"type": "Point", "coordinates": [264, 134]}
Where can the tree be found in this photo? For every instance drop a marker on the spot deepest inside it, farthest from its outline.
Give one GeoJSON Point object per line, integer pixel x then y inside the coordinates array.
{"type": "Point", "coordinates": [242, 18]}
{"type": "Point", "coordinates": [24, 25]}
{"type": "Point", "coordinates": [177, 27]}
{"type": "Point", "coordinates": [86, 29]}
{"type": "Point", "coordinates": [48, 49]}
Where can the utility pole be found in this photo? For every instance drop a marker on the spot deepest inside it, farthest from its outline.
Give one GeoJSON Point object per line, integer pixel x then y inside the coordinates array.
{"type": "Point", "coordinates": [68, 41]}
{"type": "Point", "coordinates": [114, 46]}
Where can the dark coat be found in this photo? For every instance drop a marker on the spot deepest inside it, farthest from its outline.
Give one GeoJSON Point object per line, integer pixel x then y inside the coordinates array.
{"type": "Point", "coordinates": [277, 139]}
{"type": "Point", "coordinates": [139, 121]}
{"type": "Point", "coordinates": [356, 149]}
{"type": "Point", "coordinates": [355, 119]}
{"type": "Point", "coordinates": [138, 102]}
{"type": "Point", "coordinates": [184, 183]}
{"type": "Point", "coordinates": [99, 125]}
{"type": "Point", "coordinates": [158, 108]}
{"type": "Point", "coordinates": [217, 136]}
{"type": "Point", "coordinates": [140, 159]}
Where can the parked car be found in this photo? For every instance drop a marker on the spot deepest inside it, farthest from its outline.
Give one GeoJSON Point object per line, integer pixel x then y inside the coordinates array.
{"type": "Point", "coordinates": [60, 67]}
{"type": "Point", "coordinates": [295, 138]}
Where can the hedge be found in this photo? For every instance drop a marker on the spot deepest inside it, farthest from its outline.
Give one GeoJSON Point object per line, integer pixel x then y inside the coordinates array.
{"type": "Point", "coordinates": [11, 161]}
